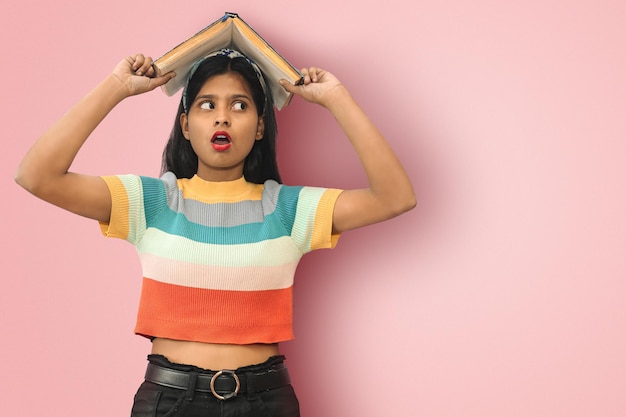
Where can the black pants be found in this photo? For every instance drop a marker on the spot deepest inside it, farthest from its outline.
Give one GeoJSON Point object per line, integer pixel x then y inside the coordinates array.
{"type": "Point", "coordinates": [155, 400]}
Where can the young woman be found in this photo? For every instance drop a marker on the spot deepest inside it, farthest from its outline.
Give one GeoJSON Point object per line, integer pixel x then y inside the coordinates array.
{"type": "Point", "coordinates": [219, 237]}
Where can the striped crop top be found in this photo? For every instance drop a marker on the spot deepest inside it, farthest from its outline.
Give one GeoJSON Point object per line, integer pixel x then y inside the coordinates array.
{"type": "Point", "coordinates": [218, 258]}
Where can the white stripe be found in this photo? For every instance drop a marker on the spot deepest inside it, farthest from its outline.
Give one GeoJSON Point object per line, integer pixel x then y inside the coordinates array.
{"type": "Point", "coordinates": [271, 252]}
{"type": "Point", "coordinates": [136, 217]}
{"type": "Point", "coordinates": [304, 223]}
{"type": "Point", "coordinates": [252, 278]}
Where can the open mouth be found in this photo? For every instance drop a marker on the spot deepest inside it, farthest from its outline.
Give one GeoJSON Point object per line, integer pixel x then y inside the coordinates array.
{"type": "Point", "coordinates": [221, 141]}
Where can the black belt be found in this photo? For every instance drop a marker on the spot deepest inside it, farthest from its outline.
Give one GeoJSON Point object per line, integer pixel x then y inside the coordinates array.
{"type": "Point", "coordinates": [224, 384]}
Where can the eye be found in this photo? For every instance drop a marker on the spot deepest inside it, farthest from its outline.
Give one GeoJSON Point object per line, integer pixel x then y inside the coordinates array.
{"type": "Point", "coordinates": [207, 105]}
{"type": "Point", "coordinates": [239, 105]}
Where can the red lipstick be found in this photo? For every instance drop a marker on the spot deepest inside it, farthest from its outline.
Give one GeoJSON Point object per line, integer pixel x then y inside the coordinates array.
{"type": "Point", "coordinates": [221, 141]}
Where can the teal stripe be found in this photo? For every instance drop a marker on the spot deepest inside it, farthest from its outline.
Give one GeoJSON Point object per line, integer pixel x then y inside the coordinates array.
{"type": "Point", "coordinates": [287, 206]}
{"type": "Point", "coordinates": [155, 197]}
{"type": "Point", "coordinates": [164, 217]}
{"type": "Point", "coordinates": [177, 224]}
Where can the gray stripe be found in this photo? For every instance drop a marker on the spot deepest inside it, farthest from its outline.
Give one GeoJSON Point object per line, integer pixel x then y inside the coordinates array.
{"type": "Point", "coordinates": [225, 214]}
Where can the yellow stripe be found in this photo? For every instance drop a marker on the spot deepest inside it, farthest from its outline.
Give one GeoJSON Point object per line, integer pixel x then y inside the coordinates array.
{"type": "Point", "coordinates": [322, 236]}
{"type": "Point", "coordinates": [127, 211]}
{"type": "Point", "coordinates": [220, 192]}
{"type": "Point", "coordinates": [118, 223]}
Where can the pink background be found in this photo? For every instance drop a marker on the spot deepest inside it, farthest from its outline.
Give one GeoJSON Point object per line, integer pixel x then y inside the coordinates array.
{"type": "Point", "coordinates": [502, 294]}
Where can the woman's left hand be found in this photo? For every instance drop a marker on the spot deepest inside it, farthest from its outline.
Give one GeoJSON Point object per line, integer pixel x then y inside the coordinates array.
{"type": "Point", "coordinates": [389, 192]}
{"type": "Point", "coordinates": [318, 87]}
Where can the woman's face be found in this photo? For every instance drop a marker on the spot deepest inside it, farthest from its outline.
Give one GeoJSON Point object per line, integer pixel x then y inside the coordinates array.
{"type": "Point", "coordinates": [222, 125]}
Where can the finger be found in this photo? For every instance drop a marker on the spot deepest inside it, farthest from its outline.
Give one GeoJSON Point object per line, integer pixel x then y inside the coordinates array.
{"type": "Point", "coordinates": [287, 85]}
{"type": "Point", "coordinates": [163, 79]}
{"type": "Point", "coordinates": [313, 73]}
{"type": "Point", "coordinates": [299, 89]}
{"type": "Point", "coordinates": [137, 61]}
{"type": "Point", "coordinates": [151, 72]}
{"type": "Point", "coordinates": [306, 75]}
{"type": "Point", "coordinates": [145, 66]}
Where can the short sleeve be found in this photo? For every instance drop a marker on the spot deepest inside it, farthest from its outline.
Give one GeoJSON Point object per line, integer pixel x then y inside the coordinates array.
{"type": "Point", "coordinates": [313, 224]}
{"type": "Point", "coordinates": [127, 208]}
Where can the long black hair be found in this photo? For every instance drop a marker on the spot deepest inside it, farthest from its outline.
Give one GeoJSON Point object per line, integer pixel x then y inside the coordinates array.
{"type": "Point", "coordinates": [260, 164]}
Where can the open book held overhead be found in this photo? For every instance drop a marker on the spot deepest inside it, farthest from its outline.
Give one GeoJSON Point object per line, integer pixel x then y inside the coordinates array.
{"type": "Point", "coordinates": [229, 31]}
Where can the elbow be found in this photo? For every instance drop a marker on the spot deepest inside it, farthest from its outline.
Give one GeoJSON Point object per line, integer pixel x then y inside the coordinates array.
{"type": "Point", "coordinates": [401, 204]}
{"type": "Point", "coordinates": [21, 179]}
{"type": "Point", "coordinates": [408, 203]}
{"type": "Point", "coordinates": [402, 198]}
{"type": "Point", "coordinates": [408, 200]}
{"type": "Point", "coordinates": [28, 181]}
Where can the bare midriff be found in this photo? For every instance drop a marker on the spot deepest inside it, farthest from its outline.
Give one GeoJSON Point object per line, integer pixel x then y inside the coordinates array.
{"type": "Point", "coordinates": [213, 356]}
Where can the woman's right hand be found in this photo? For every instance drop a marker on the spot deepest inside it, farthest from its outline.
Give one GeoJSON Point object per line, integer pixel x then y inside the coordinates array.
{"type": "Point", "coordinates": [45, 169]}
{"type": "Point", "coordinates": [138, 76]}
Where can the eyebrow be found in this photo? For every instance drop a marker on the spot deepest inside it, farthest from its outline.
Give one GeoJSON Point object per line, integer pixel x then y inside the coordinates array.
{"type": "Point", "coordinates": [231, 97]}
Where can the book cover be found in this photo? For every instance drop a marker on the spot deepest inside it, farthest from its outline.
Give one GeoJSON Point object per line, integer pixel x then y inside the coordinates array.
{"type": "Point", "coordinates": [229, 31]}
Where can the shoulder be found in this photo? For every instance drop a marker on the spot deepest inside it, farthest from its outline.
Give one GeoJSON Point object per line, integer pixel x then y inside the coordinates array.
{"type": "Point", "coordinates": [275, 192]}
{"type": "Point", "coordinates": [133, 180]}
{"type": "Point", "coordinates": [166, 183]}
{"type": "Point", "coordinates": [143, 189]}
{"type": "Point", "coordinates": [299, 197]}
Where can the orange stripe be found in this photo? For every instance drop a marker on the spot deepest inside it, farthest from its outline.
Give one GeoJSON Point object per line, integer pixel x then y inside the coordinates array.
{"type": "Point", "coordinates": [214, 316]}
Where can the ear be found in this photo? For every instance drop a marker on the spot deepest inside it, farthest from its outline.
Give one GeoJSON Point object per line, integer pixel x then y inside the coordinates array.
{"type": "Point", "coordinates": [260, 127]}
{"type": "Point", "coordinates": [184, 125]}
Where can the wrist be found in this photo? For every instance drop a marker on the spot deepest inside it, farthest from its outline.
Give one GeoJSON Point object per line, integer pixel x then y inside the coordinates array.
{"type": "Point", "coordinates": [337, 98]}
{"type": "Point", "coordinates": [114, 88]}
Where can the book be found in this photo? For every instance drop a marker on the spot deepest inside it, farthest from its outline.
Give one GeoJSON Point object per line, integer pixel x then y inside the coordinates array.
{"type": "Point", "coordinates": [229, 31]}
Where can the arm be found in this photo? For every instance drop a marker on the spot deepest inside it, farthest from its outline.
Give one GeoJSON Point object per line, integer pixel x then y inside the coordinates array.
{"type": "Point", "coordinates": [390, 192]}
{"type": "Point", "coordinates": [44, 171]}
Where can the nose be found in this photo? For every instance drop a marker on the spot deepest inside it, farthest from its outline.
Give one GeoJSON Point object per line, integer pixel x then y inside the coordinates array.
{"type": "Point", "coordinates": [221, 118]}
{"type": "Point", "coordinates": [222, 122]}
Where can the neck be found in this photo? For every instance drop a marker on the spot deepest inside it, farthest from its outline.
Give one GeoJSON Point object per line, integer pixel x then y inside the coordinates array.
{"type": "Point", "coordinates": [219, 175]}
{"type": "Point", "coordinates": [219, 190]}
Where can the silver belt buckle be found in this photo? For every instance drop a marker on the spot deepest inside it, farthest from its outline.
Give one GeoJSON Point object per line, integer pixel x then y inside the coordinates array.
{"type": "Point", "coordinates": [230, 395]}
